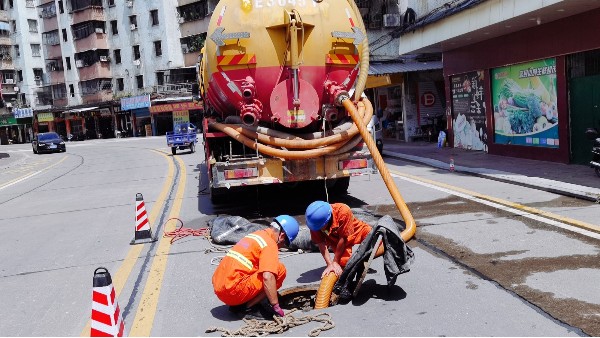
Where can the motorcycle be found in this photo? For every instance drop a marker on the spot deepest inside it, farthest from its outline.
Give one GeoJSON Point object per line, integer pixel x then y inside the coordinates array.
{"type": "Point", "coordinates": [592, 134]}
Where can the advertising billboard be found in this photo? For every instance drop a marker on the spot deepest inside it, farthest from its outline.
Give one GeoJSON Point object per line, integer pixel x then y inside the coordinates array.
{"type": "Point", "coordinates": [524, 99]}
{"type": "Point", "coordinates": [468, 107]}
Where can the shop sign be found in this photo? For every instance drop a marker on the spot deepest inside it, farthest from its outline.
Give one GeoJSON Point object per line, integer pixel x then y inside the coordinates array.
{"type": "Point", "coordinates": [135, 102]}
{"type": "Point", "coordinates": [525, 104]}
{"type": "Point", "coordinates": [45, 117]}
{"type": "Point", "coordinates": [7, 121]}
{"type": "Point", "coordinates": [469, 113]}
{"type": "Point", "coordinates": [21, 113]}
{"type": "Point", "coordinates": [181, 116]}
{"type": "Point", "coordinates": [164, 108]}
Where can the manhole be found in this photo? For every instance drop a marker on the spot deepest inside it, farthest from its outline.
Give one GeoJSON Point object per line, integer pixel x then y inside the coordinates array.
{"type": "Point", "coordinates": [298, 297]}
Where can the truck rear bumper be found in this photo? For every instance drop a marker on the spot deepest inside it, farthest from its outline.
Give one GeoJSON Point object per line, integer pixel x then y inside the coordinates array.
{"type": "Point", "coordinates": [274, 170]}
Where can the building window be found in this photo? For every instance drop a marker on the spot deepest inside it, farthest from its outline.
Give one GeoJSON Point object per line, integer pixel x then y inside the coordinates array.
{"type": "Point", "coordinates": [111, 3]}
{"type": "Point", "coordinates": [117, 56]}
{"type": "Point", "coordinates": [14, 25]}
{"type": "Point", "coordinates": [157, 48]}
{"type": "Point", "coordinates": [113, 27]}
{"type": "Point", "coordinates": [140, 81]}
{"type": "Point", "coordinates": [17, 51]}
{"type": "Point", "coordinates": [154, 17]}
{"type": "Point", "coordinates": [120, 84]}
{"type": "Point", "coordinates": [133, 22]}
{"type": "Point", "coordinates": [30, 3]}
{"type": "Point", "coordinates": [68, 62]}
{"type": "Point", "coordinates": [72, 90]}
{"type": "Point", "coordinates": [33, 26]}
{"type": "Point", "coordinates": [10, 3]}
{"type": "Point", "coordinates": [36, 49]}
{"type": "Point", "coordinates": [20, 75]}
{"type": "Point", "coordinates": [160, 78]}
{"type": "Point", "coordinates": [61, 8]}
{"type": "Point", "coordinates": [136, 52]}
{"type": "Point", "coordinates": [64, 34]}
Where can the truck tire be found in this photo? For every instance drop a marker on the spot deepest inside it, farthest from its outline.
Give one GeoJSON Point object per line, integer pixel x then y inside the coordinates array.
{"type": "Point", "coordinates": [192, 148]}
{"type": "Point", "coordinates": [174, 150]}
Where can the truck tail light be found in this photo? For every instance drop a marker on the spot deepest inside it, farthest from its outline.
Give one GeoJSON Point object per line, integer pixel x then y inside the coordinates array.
{"type": "Point", "coordinates": [360, 163]}
{"type": "Point", "coordinates": [241, 173]}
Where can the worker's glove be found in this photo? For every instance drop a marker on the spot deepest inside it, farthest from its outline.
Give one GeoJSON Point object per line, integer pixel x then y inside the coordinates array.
{"type": "Point", "coordinates": [277, 309]}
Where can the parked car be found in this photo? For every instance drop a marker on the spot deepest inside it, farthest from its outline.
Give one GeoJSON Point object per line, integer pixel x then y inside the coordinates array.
{"type": "Point", "coordinates": [374, 127]}
{"type": "Point", "coordinates": [48, 142]}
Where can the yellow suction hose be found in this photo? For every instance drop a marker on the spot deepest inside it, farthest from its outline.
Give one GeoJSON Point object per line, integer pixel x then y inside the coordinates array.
{"type": "Point", "coordinates": [323, 296]}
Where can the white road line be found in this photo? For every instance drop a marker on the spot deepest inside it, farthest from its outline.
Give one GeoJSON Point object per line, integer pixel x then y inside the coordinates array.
{"type": "Point", "coordinates": [504, 207]}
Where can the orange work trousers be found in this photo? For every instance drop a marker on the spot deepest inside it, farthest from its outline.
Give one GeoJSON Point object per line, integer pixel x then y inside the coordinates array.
{"type": "Point", "coordinates": [249, 287]}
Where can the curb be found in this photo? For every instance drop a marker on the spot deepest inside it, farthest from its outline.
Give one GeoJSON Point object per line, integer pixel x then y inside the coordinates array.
{"type": "Point", "coordinates": [561, 188]}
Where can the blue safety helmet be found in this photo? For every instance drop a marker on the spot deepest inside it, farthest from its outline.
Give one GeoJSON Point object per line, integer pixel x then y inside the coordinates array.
{"type": "Point", "coordinates": [317, 215]}
{"type": "Point", "coordinates": [289, 225]}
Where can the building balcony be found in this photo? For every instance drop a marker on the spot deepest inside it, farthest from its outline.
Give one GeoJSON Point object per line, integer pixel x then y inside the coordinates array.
{"type": "Point", "coordinates": [6, 64]}
{"type": "Point", "coordinates": [95, 71]}
{"type": "Point", "coordinates": [4, 16]}
{"type": "Point", "coordinates": [89, 14]}
{"type": "Point", "coordinates": [190, 59]}
{"type": "Point", "coordinates": [5, 41]}
{"type": "Point", "coordinates": [57, 77]}
{"type": "Point", "coordinates": [97, 97]}
{"type": "Point", "coordinates": [92, 41]}
{"type": "Point", "coordinates": [194, 27]}
{"type": "Point", "coordinates": [9, 89]}
{"type": "Point", "coordinates": [54, 52]}
{"type": "Point", "coordinates": [43, 2]}
{"type": "Point", "coordinates": [50, 24]}
{"type": "Point", "coordinates": [60, 102]}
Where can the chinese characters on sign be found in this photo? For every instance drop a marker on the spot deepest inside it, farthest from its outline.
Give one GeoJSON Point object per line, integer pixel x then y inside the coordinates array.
{"type": "Point", "coordinates": [468, 106]}
{"type": "Point", "coordinates": [525, 109]}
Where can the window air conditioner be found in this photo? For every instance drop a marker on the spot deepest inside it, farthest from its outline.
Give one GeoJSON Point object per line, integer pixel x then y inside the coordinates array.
{"type": "Point", "coordinates": [78, 63]}
{"type": "Point", "coordinates": [133, 27]}
{"type": "Point", "coordinates": [129, 3]}
{"type": "Point", "coordinates": [136, 62]}
{"type": "Point", "coordinates": [184, 48]}
{"type": "Point", "coordinates": [99, 30]}
{"type": "Point", "coordinates": [104, 58]}
{"type": "Point", "coordinates": [391, 20]}
{"type": "Point", "coordinates": [9, 81]}
{"type": "Point", "coordinates": [181, 19]}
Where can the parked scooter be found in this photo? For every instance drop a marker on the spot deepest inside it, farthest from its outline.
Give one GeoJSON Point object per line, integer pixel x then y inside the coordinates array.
{"type": "Point", "coordinates": [592, 134]}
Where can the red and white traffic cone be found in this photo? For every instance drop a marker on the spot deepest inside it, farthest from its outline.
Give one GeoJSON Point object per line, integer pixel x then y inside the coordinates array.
{"type": "Point", "coordinates": [106, 314]}
{"type": "Point", "coordinates": [143, 233]}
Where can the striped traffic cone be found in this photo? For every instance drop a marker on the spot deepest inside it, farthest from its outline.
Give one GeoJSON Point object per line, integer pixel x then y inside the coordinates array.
{"type": "Point", "coordinates": [143, 233]}
{"type": "Point", "coordinates": [106, 315]}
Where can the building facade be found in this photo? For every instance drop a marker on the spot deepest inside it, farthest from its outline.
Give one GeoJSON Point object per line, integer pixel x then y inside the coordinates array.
{"type": "Point", "coordinates": [521, 77]}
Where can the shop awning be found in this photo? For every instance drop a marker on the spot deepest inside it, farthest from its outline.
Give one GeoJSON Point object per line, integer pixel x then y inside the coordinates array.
{"type": "Point", "coordinates": [401, 67]}
{"type": "Point", "coordinates": [81, 110]}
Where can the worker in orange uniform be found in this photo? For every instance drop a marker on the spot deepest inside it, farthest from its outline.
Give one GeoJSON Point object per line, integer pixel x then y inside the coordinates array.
{"type": "Point", "coordinates": [334, 226]}
{"type": "Point", "coordinates": [251, 271]}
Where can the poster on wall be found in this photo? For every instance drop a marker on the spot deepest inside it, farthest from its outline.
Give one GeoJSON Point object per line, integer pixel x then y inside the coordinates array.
{"type": "Point", "coordinates": [524, 99]}
{"type": "Point", "coordinates": [468, 106]}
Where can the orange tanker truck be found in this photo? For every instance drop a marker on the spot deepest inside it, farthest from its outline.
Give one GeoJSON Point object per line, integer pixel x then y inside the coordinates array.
{"type": "Point", "coordinates": [275, 77]}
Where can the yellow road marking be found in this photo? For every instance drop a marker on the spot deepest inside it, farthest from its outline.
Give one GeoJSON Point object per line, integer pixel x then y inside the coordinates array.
{"type": "Point", "coordinates": [144, 317]}
{"type": "Point", "coordinates": [122, 275]}
{"type": "Point", "coordinates": [26, 175]}
{"type": "Point", "coordinates": [518, 206]}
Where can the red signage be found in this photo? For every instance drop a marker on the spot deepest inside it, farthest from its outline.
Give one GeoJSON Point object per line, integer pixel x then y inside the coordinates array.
{"type": "Point", "coordinates": [428, 99]}
{"type": "Point", "coordinates": [181, 106]}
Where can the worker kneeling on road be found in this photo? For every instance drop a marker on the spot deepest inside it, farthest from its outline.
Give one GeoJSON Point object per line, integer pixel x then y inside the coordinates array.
{"type": "Point", "coordinates": [251, 271]}
{"type": "Point", "coordinates": [334, 226]}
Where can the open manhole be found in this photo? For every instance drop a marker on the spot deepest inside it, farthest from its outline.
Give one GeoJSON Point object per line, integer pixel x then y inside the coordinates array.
{"type": "Point", "coordinates": [298, 297]}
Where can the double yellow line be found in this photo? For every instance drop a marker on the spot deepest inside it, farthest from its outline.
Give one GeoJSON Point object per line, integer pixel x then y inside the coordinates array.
{"type": "Point", "coordinates": [144, 318]}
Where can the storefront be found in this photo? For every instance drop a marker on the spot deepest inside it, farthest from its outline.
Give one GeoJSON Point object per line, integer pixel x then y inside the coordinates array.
{"type": "Point", "coordinates": [528, 94]}
{"type": "Point", "coordinates": [134, 114]}
{"type": "Point", "coordinates": [43, 122]}
{"type": "Point", "coordinates": [166, 115]}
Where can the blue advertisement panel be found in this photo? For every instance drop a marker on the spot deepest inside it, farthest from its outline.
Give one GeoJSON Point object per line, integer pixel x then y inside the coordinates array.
{"type": "Point", "coordinates": [524, 99]}
{"type": "Point", "coordinates": [135, 102]}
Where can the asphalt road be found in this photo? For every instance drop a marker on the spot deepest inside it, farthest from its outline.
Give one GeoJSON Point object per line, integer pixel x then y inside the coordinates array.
{"type": "Point", "coordinates": [491, 259]}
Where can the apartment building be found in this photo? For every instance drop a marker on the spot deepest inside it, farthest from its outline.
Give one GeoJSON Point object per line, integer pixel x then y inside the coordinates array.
{"type": "Point", "coordinates": [521, 78]}
{"type": "Point", "coordinates": [101, 51]}
{"type": "Point", "coordinates": [21, 68]}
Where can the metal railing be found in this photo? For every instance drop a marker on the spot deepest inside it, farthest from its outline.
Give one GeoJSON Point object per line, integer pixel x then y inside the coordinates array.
{"type": "Point", "coordinates": [173, 88]}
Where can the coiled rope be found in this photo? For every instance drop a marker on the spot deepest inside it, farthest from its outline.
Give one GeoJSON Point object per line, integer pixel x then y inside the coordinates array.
{"type": "Point", "coordinates": [259, 328]}
{"type": "Point", "coordinates": [182, 232]}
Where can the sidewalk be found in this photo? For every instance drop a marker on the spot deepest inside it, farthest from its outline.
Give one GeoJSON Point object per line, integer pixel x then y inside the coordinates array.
{"type": "Point", "coordinates": [566, 179]}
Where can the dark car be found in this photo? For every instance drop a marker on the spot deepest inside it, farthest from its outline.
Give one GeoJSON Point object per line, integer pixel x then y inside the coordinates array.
{"type": "Point", "coordinates": [48, 142]}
